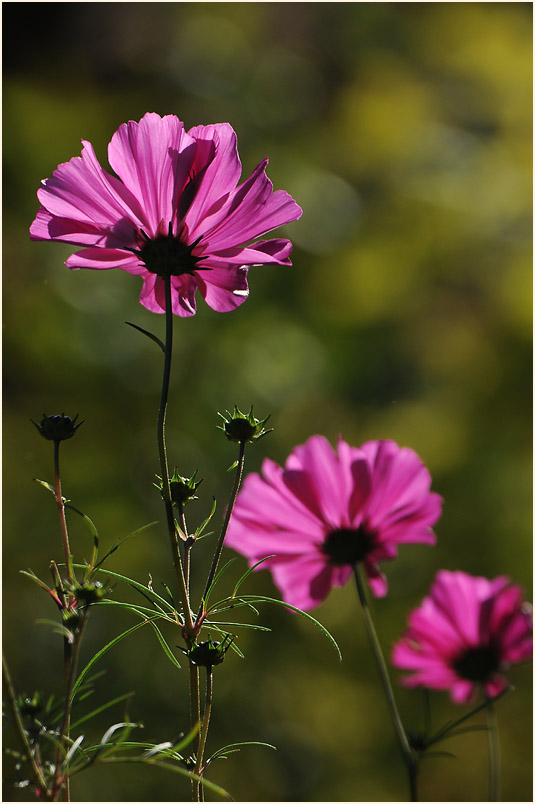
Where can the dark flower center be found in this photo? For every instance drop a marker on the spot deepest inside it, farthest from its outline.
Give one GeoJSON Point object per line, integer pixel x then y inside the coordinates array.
{"type": "Point", "coordinates": [348, 545]}
{"type": "Point", "coordinates": [477, 664]}
{"type": "Point", "coordinates": [166, 255]}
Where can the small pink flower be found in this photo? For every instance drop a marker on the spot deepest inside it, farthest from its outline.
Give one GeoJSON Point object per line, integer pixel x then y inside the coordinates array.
{"type": "Point", "coordinates": [328, 510]}
{"type": "Point", "coordinates": [464, 635]}
{"type": "Point", "coordinates": [176, 207]}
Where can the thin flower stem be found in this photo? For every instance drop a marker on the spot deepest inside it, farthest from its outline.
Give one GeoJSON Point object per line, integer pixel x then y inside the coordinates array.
{"type": "Point", "coordinates": [61, 513]}
{"type": "Point", "coordinates": [177, 561]}
{"type": "Point", "coordinates": [494, 753]}
{"type": "Point", "coordinates": [64, 735]}
{"type": "Point", "coordinates": [443, 732]}
{"type": "Point", "coordinates": [188, 543]}
{"type": "Point", "coordinates": [175, 550]}
{"type": "Point", "coordinates": [37, 773]}
{"type": "Point", "coordinates": [195, 699]}
{"type": "Point", "coordinates": [224, 528]}
{"type": "Point", "coordinates": [204, 732]}
{"type": "Point", "coordinates": [410, 758]}
{"type": "Point", "coordinates": [68, 650]}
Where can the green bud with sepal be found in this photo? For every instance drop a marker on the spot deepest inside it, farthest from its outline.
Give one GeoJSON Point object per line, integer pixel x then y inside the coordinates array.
{"type": "Point", "coordinates": [182, 488]}
{"type": "Point", "coordinates": [209, 653]}
{"type": "Point", "coordinates": [89, 592]}
{"type": "Point", "coordinates": [58, 427]}
{"type": "Point", "coordinates": [243, 427]}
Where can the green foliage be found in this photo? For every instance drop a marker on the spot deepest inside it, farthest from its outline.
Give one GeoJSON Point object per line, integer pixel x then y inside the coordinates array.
{"type": "Point", "coordinates": [404, 131]}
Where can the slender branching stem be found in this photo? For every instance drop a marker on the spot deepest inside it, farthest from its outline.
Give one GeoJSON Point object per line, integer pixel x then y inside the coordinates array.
{"type": "Point", "coordinates": [37, 772]}
{"type": "Point", "coordinates": [450, 727]}
{"type": "Point", "coordinates": [494, 752]}
{"type": "Point", "coordinates": [204, 732]}
{"type": "Point", "coordinates": [410, 757]}
{"type": "Point", "coordinates": [224, 528]}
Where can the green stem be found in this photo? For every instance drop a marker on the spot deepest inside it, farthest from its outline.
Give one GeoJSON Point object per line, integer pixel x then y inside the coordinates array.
{"type": "Point", "coordinates": [61, 513]}
{"type": "Point", "coordinates": [494, 752]}
{"type": "Point", "coordinates": [204, 732]}
{"type": "Point", "coordinates": [442, 733]}
{"type": "Point", "coordinates": [187, 543]}
{"type": "Point", "coordinates": [224, 528]}
{"type": "Point", "coordinates": [68, 657]}
{"type": "Point", "coordinates": [173, 539]}
{"type": "Point", "coordinates": [410, 758]}
{"type": "Point", "coordinates": [64, 735]}
{"type": "Point", "coordinates": [177, 561]}
{"type": "Point", "coordinates": [37, 773]}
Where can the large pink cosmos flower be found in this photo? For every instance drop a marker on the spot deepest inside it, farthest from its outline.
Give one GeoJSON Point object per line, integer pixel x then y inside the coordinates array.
{"type": "Point", "coordinates": [176, 209]}
{"type": "Point", "coordinates": [328, 510]}
{"type": "Point", "coordinates": [464, 635]}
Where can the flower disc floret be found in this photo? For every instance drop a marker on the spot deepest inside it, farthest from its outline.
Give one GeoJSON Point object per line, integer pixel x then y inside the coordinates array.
{"type": "Point", "coordinates": [176, 210]}
{"type": "Point", "coordinates": [465, 635]}
{"type": "Point", "coordinates": [328, 510]}
{"type": "Point", "coordinates": [166, 255]}
{"type": "Point", "coordinates": [348, 545]}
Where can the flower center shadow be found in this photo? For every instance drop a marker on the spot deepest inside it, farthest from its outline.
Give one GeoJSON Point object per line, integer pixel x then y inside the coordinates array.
{"type": "Point", "coordinates": [348, 545]}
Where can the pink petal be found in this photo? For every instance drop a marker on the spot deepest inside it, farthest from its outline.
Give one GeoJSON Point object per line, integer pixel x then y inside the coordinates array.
{"type": "Point", "coordinates": [498, 610]}
{"type": "Point", "coordinates": [455, 595]}
{"type": "Point", "coordinates": [303, 583]}
{"type": "Point", "coordinates": [82, 191]}
{"type": "Point", "coordinates": [430, 670]}
{"type": "Point", "coordinates": [463, 691]}
{"type": "Point", "coordinates": [494, 687]}
{"type": "Point", "coordinates": [250, 211]}
{"type": "Point", "coordinates": [183, 289]}
{"type": "Point", "coordinates": [48, 227]}
{"type": "Point", "coordinates": [261, 506]}
{"type": "Point", "coordinates": [313, 473]}
{"type": "Point", "coordinates": [376, 580]}
{"type": "Point", "coordinates": [104, 259]}
{"type": "Point", "coordinates": [401, 484]}
{"type": "Point", "coordinates": [223, 289]}
{"type": "Point", "coordinates": [215, 174]}
{"type": "Point", "coordinates": [262, 252]}
{"type": "Point", "coordinates": [153, 158]}
{"type": "Point", "coordinates": [430, 627]}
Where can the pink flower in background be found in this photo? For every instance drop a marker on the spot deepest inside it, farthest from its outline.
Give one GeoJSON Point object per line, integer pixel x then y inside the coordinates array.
{"type": "Point", "coordinates": [176, 207]}
{"type": "Point", "coordinates": [329, 509]}
{"type": "Point", "coordinates": [464, 635]}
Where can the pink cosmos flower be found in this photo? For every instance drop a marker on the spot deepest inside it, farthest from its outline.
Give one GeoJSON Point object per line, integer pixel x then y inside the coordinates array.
{"type": "Point", "coordinates": [330, 509]}
{"type": "Point", "coordinates": [176, 208]}
{"type": "Point", "coordinates": [464, 635]}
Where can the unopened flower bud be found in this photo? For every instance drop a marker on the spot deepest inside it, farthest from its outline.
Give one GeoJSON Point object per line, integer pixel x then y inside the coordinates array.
{"type": "Point", "coordinates": [243, 427]}
{"type": "Point", "coordinates": [209, 653]}
{"type": "Point", "coordinates": [182, 488]}
{"type": "Point", "coordinates": [89, 592]}
{"type": "Point", "coordinates": [58, 427]}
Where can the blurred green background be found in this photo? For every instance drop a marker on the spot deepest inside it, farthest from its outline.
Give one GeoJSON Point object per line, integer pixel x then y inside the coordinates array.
{"type": "Point", "coordinates": [404, 131]}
